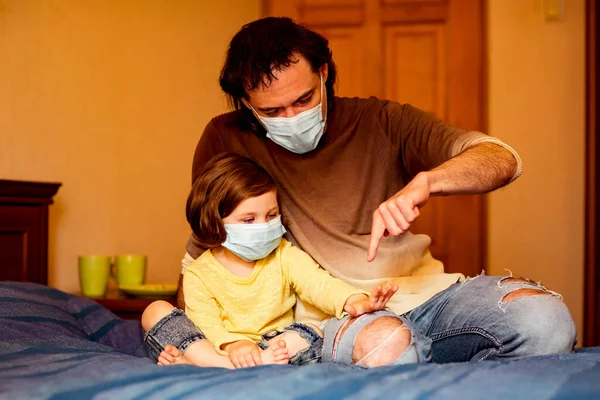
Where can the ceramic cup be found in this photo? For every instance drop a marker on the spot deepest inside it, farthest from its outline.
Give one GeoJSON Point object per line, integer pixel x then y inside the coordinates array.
{"type": "Point", "coordinates": [130, 269]}
{"type": "Point", "coordinates": [94, 272]}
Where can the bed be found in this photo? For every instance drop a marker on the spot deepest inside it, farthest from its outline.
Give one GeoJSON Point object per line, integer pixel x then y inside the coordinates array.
{"type": "Point", "coordinates": [54, 345]}
{"type": "Point", "coordinates": [59, 346]}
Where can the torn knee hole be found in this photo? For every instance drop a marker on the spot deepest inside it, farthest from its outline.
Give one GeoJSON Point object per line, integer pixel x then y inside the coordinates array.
{"type": "Point", "coordinates": [378, 335]}
{"type": "Point", "coordinates": [344, 328]}
{"type": "Point", "coordinates": [383, 352]}
{"type": "Point", "coordinates": [518, 293]}
{"type": "Point", "coordinates": [390, 321]}
{"type": "Point", "coordinates": [512, 279]}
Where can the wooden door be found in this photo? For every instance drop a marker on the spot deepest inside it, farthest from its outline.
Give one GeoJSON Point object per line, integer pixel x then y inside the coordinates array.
{"type": "Point", "coordinates": [429, 53]}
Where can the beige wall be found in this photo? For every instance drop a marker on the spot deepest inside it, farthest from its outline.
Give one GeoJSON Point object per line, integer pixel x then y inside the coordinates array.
{"type": "Point", "coordinates": [109, 97]}
{"type": "Point", "coordinates": [536, 103]}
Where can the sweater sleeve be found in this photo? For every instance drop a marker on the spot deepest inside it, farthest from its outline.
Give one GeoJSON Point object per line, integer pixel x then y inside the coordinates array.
{"type": "Point", "coordinates": [203, 310]}
{"type": "Point", "coordinates": [424, 141]}
{"type": "Point", "coordinates": [315, 285]}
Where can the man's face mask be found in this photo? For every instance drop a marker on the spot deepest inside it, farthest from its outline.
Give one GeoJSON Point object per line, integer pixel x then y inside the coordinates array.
{"type": "Point", "coordinates": [252, 242]}
{"type": "Point", "coordinates": [300, 133]}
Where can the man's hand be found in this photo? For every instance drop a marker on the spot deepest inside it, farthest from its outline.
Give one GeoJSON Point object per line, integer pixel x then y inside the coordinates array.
{"type": "Point", "coordinates": [243, 353]}
{"type": "Point", "coordinates": [359, 304]}
{"type": "Point", "coordinates": [395, 215]}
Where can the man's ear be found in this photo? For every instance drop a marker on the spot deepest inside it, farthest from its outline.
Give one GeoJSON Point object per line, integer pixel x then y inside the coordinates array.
{"type": "Point", "coordinates": [325, 72]}
{"type": "Point", "coordinates": [246, 103]}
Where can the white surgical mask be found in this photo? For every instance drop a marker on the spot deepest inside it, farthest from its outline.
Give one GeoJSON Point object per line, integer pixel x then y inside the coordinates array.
{"type": "Point", "coordinates": [252, 242]}
{"type": "Point", "coordinates": [300, 133]}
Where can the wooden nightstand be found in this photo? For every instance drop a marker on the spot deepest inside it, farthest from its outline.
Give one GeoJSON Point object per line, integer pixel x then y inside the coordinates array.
{"type": "Point", "coordinates": [24, 230]}
{"type": "Point", "coordinates": [128, 307]}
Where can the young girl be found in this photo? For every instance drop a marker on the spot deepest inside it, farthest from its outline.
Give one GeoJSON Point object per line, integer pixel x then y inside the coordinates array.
{"type": "Point", "coordinates": [240, 293]}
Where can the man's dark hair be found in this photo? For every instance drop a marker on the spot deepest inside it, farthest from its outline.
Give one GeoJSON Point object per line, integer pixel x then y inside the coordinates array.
{"type": "Point", "coordinates": [267, 45]}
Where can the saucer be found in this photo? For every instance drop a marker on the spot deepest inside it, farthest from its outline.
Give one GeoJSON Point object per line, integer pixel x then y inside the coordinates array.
{"type": "Point", "coordinates": [150, 290]}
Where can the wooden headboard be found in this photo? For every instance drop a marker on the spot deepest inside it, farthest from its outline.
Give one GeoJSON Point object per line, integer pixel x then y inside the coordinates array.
{"type": "Point", "coordinates": [24, 230]}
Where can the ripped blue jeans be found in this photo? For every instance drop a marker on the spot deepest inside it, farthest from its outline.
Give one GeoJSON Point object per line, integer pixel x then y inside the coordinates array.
{"type": "Point", "coordinates": [481, 318]}
{"type": "Point", "coordinates": [178, 330]}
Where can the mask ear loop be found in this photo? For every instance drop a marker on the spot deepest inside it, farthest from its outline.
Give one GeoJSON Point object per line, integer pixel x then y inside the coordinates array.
{"type": "Point", "coordinates": [256, 116]}
{"type": "Point", "coordinates": [323, 95]}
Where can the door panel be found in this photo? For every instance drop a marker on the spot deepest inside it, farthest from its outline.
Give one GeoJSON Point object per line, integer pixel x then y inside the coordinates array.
{"type": "Point", "coordinates": [428, 53]}
{"type": "Point", "coordinates": [415, 66]}
{"type": "Point", "coordinates": [349, 58]}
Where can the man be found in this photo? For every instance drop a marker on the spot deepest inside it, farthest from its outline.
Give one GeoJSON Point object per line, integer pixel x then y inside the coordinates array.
{"type": "Point", "coordinates": [352, 175]}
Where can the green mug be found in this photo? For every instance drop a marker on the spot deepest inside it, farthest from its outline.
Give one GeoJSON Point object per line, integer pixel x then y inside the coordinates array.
{"type": "Point", "coordinates": [94, 272]}
{"type": "Point", "coordinates": [130, 269]}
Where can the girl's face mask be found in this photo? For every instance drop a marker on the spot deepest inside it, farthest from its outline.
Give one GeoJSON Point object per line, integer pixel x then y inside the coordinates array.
{"type": "Point", "coordinates": [252, 242]}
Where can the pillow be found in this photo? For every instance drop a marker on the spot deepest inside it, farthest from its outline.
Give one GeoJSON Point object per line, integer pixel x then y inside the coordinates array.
{"type": "Point", "coordinates": [30, 310]}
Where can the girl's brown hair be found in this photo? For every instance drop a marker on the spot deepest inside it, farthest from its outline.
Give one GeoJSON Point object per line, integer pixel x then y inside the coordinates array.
{"type": "Point", "coordinates": [226, 181]}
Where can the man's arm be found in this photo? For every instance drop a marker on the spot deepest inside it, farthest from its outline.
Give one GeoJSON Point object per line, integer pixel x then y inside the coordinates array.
{"type": "Point", "coordinates": [478, 169]}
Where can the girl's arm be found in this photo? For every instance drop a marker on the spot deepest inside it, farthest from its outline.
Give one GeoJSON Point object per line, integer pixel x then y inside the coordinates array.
{"type": "Point", "coordinates": [359, 304]}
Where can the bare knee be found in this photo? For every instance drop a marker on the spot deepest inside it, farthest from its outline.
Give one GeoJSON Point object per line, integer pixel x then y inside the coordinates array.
{"type": "Point", "coordinates": [518, 293]}
{"type": "Point", "coordinates": [316, 328]}
{"type": "Point", "coordinates": [373, 335]}
{"type": "Point", "coordinates": [155, 312]}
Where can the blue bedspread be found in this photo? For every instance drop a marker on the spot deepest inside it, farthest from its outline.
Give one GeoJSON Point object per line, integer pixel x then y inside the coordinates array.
{"type": "Point", "coordinates": [54, 345]}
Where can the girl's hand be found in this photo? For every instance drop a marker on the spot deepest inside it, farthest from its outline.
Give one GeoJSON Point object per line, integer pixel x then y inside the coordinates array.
{"type": "Point", "coordinates": [359, 304]}
{"type": "Point", "coordinates": [244, 353]}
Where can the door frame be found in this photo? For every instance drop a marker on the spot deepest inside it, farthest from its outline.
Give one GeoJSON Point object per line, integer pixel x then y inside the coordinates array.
{"type": "Point", "coordinates": [591, 335]}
